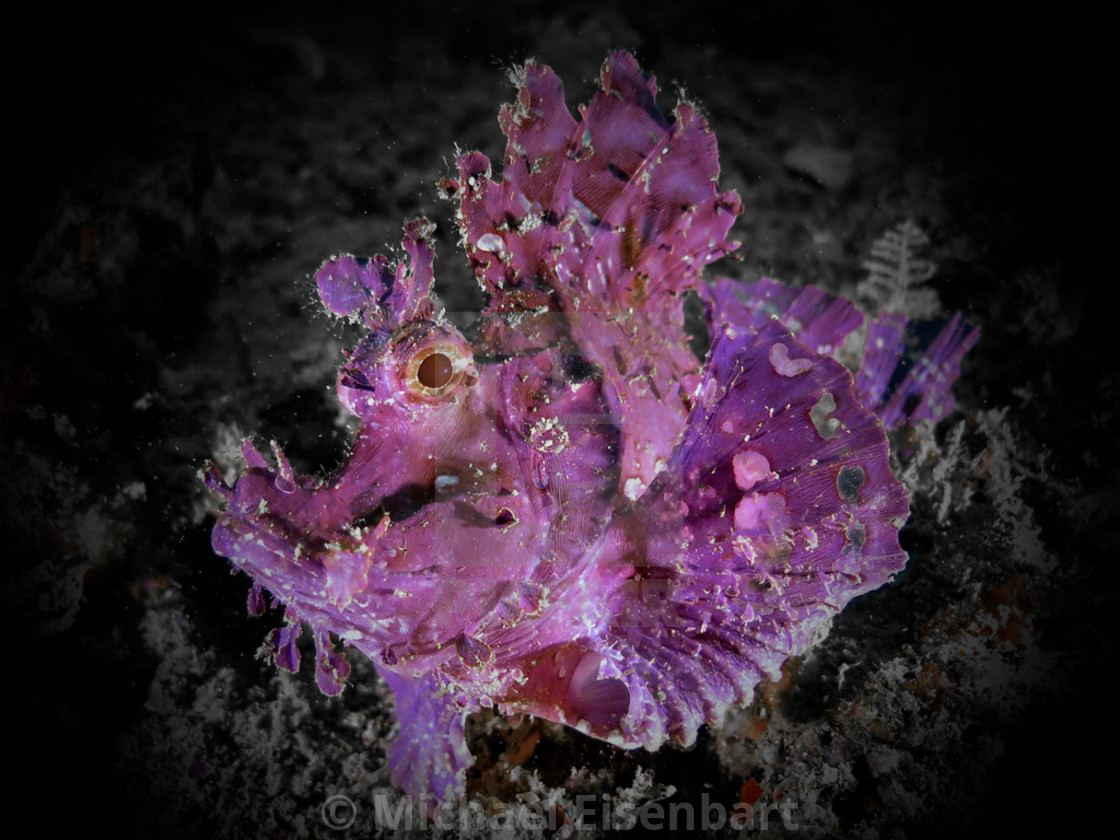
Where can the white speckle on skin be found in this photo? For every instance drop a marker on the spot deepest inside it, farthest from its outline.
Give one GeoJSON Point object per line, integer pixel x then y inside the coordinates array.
{"type": "Point", "coordinates": [445, 481]}
{"type": "Point", "coordinates": [490, 242]}
{"type": "Point", "coordinates": [634, 488]}
{"type": "Point", "coordinates": [784, 365]}
{"type": "Point", "coordinates": [548, 436]}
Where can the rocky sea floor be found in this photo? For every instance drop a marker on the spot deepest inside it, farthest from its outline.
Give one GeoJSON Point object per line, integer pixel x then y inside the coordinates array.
{"type": "Point", "coordinates": [157, 308]}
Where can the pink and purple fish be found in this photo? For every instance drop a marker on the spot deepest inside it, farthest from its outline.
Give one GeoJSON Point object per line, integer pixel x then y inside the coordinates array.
{"type": "Point", "coordinates": [568, 514]}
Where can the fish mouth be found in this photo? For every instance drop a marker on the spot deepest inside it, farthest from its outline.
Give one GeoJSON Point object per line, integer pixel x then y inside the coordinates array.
{"type": "Point", "coordinates": [399, 504]}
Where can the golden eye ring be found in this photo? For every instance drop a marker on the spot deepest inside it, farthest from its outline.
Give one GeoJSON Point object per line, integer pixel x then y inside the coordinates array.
{"type": "Point", "coordinates": [436, 369]}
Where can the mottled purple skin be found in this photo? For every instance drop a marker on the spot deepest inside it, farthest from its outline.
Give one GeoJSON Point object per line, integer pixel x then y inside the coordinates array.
{"type": "Point", "coordinates": [615, 217]}
{"type": "Point", "coordinates": [571, 517]}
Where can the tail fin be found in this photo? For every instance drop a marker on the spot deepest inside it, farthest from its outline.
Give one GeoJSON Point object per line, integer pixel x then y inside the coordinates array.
{"type": "Point", "coordinates": [908, 367]}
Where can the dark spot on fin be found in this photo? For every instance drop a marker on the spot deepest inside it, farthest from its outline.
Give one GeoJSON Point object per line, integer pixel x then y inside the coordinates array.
{"type": "Point", "coordinates": [849, 481]}
{"type": "Point", "coordinates": [578, 369]}
{"type": "Point", "coordinates": [620, 362]}
{"type": "Point", "coordinates": [856, 535]}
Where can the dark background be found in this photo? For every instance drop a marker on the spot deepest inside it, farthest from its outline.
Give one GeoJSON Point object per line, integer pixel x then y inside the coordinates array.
{"type": "Point", "coordinates": [177, 180]}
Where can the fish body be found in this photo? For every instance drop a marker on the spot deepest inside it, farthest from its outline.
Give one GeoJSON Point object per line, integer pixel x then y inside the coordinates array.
{"type": "Point", "coordinates": [566, 513]}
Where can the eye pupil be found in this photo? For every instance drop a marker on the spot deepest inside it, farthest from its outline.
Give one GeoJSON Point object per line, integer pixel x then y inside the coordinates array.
{"type": "Point", "coordinates": [435, 371]}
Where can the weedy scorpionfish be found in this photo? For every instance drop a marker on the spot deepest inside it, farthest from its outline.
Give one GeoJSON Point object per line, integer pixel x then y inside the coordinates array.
{"type": "Point", "coordinates": [567, 513]}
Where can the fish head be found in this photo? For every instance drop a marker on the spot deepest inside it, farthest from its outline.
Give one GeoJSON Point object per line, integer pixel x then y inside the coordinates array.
{"type": "Point", "coordinates": [419, 376]}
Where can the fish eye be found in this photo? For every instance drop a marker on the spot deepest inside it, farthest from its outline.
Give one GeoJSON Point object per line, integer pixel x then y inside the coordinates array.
{"type": "Point", "coordinates": [435, 371]}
